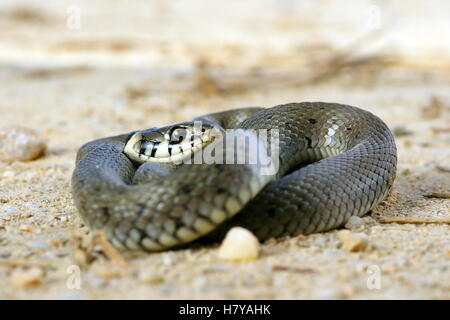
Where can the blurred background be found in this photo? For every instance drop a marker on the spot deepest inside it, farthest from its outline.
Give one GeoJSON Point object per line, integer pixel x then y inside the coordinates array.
{"type": "Point", "coordinates": [158, 54]}
{"type": "Point", "coordinates": [83, 69]}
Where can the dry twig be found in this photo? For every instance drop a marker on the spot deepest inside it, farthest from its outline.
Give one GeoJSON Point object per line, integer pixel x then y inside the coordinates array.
{"type": "Point", "coordinates": [408, 220]}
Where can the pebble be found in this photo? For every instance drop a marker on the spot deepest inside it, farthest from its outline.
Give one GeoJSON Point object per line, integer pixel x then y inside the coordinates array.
{"type": "Point", "coordinates": [354, 223]}
{"type": "Point", "coordinates": [389, 269]}
{"type": "Point", "coordinates": [271, 241]}
{"type": "Point", "coordinates": [27, 228]}
{"type": "Point", "coordinates": [239, 245]}
{"type": "Point", "coordinates": [352, 242]}
{"type": "Point", "coordinates": [149, 277]}
{"type": "Point", "coordinates": [26, 278]}
{"type": "Point", "coordinates": [168, 258]}
{"type": "Point", "coordinates": [108, 272]}
{"type": "Point", "coordinates": [20, 143]}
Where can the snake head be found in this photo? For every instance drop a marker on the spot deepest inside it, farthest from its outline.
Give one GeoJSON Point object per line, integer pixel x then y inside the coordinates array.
{"type": "Point", "coordinates": [171, 144]}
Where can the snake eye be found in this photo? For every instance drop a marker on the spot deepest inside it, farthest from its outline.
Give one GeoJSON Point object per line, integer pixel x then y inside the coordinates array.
{"type": "Point", "coordinates": [177, 134]}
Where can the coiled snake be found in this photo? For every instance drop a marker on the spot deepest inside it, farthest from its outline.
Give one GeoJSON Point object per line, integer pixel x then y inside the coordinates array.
{"type": "Point", "coordinates": [334, 161]}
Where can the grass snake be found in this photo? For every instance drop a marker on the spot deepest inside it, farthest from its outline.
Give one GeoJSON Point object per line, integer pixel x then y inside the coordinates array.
{"type": "Point", "coordinates": [334, 161]}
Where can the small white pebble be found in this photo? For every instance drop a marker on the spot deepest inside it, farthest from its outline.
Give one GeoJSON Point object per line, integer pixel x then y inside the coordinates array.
{"type": "Point", "coordinates": [149, 277]}
{"type": "Point", "coordinates": [354, 223]}
{"type": "Point", "coordinates": [239, 245]}
{"type": "Point", "coordinates": [169, 259]}
{"type": "Point", "coordinates": [27, 228]}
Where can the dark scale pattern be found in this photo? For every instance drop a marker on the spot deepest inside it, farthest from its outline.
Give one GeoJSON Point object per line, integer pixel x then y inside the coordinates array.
{"type": "Point", "coordinates": [335, 161]}
{"type": "Point", "coordinates": [325, 194]}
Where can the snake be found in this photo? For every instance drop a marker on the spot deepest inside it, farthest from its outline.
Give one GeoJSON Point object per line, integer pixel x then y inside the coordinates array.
{"type": "Point", "coordinates": [318, 165]}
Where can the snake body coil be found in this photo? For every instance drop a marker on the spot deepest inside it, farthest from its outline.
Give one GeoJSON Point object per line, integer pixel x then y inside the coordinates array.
{"type": "Point", "coordinates": [335, 161]}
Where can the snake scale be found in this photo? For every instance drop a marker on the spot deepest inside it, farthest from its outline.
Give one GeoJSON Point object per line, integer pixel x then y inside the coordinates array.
{"type": "Point", "coordinates": [334, 161]}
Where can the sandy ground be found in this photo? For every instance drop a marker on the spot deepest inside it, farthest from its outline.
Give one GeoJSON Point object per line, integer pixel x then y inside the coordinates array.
{"type": "Point", "coordinates": [128, 68]}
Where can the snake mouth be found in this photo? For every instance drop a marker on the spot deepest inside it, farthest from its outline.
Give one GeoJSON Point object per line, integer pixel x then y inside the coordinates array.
{"type": "Point", "coordinates": [172, 144]}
